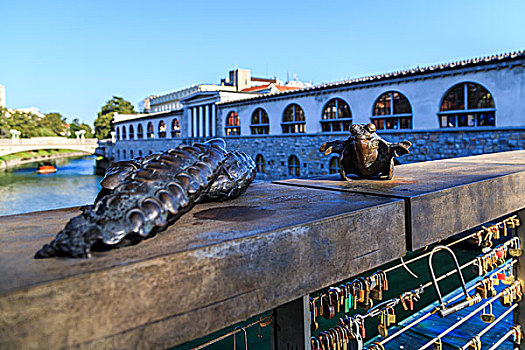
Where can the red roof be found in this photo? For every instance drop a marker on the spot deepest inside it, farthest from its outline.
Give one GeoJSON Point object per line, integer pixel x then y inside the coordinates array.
{"type": "Point", "coordinates": [287, 88]}
{"type": "Point", "coordinates": [256, 88]}
{"type": "Point", "coordinates": [267, 86]}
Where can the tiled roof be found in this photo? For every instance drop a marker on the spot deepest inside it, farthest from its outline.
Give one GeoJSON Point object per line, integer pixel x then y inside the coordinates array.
{"type": "Point", "coordinates": [287, 88]}
{"type": "Point", "coordinates": [267, 86]}
{"type": "Point", "coordinates": [256, 88]}
{"type": "Point", "coordinates": [479, 61]}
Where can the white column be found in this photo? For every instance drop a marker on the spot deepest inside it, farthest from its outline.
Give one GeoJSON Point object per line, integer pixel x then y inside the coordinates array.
{"type": "Point", "coordinates": [213, 120]}
{"type": "Point", "coordinates": [195, 130]}
{"type": "Point", "coordinates": [201, 122]}
{"type": "Point", "coordinates": [190, 123]}
{"type": "Point", "coordinates": [207, 120]}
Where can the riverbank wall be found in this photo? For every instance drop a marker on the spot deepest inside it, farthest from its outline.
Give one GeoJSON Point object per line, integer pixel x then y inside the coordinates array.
{"type": "Point", "coordinates": [7, 164]}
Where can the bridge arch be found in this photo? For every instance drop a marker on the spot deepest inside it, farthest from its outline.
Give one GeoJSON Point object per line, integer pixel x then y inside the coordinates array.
{"type": "Point", "coordinates": [8, 146]}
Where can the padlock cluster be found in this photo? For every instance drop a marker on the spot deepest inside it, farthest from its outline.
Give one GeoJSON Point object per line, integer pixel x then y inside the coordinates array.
{"type": "Point", "coordinates": [347, 335]}
{"type": "Point", "coordinates": [512, 294]}
{"type": "Point", "coordinates": [407, 299]}
{"type": "Point", "coordinates": [485, 236]}
{"type": "Point", "coordinates": [515, 333]}
{"type": "Point", "coordinates": [360, 293]}
{"type": "Point", "coordinates": [496, 257]}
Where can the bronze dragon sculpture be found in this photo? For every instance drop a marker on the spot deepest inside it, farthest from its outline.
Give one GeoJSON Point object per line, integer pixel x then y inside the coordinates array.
{"type": "Point", "coordinates": [143, 196]}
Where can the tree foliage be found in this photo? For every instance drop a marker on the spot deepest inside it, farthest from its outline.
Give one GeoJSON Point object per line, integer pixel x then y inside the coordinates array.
{"type": "Point", "coordinates": [76, 125]}
{"type": "Point", "coordinates": [32, 125]}
{"type": "Point", "coordinates": [104, 121]}
{"type": "Point", "coordinates": [54, 124]}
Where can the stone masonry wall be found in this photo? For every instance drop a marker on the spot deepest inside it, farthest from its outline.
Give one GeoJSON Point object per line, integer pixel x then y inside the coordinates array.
{"type": "Point", "coordinates": [276, 149]}
{"type": "Point", "coordinates": [430, 145]}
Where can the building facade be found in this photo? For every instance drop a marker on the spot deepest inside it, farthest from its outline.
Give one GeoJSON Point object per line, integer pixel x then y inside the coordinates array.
{"type": "Point", "coordinates": [455, 109]}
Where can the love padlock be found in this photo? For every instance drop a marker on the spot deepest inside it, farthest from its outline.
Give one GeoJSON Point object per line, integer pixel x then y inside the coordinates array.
{"type": "Point", "coordinates": [328, 306]}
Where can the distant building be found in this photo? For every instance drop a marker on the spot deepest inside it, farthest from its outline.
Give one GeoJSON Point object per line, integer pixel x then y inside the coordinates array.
{"type": "Point", "coordinates": [447, 110]}
{"type": "Point", "coordinates": [238, 80]}
{"type": "Point", "coordinates": [31, 110]}
{"type": "Point", "coordinates": [2, 96]}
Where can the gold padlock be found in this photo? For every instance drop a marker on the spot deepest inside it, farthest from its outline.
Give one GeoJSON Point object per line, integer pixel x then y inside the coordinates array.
{"type": "Point", "coordinates": [383, 331]}
{"type": "Point", "coordinates": [475, 343]}
{"type": "Point", "coordinates": [488, 317]}
{"type": "Point", "coordinates": [517, 333]}
{"type": "Point", "coordinates": [391, 316]}
{"type": "Point", "coordinates": [481, 289]}
{"type": "Point", "coordinates": [515, 250]}
{"type": "Point", "coordinates": [515, 253]}
{"type": "Point", "coordinates": [509, 279]}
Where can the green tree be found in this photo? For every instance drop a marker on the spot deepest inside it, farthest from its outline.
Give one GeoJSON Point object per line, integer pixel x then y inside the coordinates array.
{"type": "Point", "coordinates": [76, 125]}
{"type": "Point", "coordinates": [53, 124]}
{"type": "Point", "coordinates": [27, 123]}
{"type": "Point", "coordinates": [31, 125]}
{"type": "Point", "coordinates": [104, 121]}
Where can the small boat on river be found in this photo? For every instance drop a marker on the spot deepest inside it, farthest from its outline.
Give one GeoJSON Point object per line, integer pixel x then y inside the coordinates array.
{"type": "Point", "coordinates": [46, 168]}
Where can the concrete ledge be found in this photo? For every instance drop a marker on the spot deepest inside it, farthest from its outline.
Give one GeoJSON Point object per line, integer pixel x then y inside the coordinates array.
{"type": "Point", "coordinates": [219, 264]}
{"type": "Point", "coordinates": [224, 262]}
{"type": "Point", "coordinates": [444, 197]}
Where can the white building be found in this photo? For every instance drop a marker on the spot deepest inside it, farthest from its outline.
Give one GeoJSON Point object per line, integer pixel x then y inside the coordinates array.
{"type": "Point", "coordinates": [30, 110]}
{"type": "Point", "coordinates": [469, 100]}
{"type": "Point", "coordinates": [238, 80]}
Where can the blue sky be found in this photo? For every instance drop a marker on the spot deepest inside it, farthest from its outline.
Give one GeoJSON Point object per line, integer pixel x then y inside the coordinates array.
{"type": "Point", "coordinates": [72, 56]}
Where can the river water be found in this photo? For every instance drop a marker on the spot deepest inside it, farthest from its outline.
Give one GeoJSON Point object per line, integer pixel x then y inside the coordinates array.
{"type": "Point", "coordinates": [22, 190]}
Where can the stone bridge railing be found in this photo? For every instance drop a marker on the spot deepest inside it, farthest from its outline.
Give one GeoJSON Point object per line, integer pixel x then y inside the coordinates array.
{"type": "Point", "coordinates": [222, 263]}
{"type": "Point", "coordinates": [15, 145]}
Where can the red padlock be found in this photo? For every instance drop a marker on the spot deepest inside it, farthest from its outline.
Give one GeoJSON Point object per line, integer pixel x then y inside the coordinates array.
{"type": "Point", "coordinates": [501, 276]}
{"type": "Point", "coordinates": [499, 253]}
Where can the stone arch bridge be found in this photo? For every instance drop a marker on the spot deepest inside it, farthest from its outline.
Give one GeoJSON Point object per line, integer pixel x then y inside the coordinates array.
{"type": "Point", "coordinates": [15, 145]}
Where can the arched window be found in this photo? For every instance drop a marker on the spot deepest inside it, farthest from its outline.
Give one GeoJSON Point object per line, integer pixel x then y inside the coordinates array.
{"type": "Point", "coordinates": [151, 131]}
{"type": "Point", "coordinates": [261, 165]}
{"type": "Point", "coordinates": [140, 153]}
{"type": "Point", "coordinates": [260, 122]}
{"type": "Point", "coordinates": [336, 116]}
{"type": "Point", "coordinates": [233, 124]}
{"type": "Point", "coordinates": [294, 167]}
{"type": "Point", "coordinates": [131, 153]}
{"type": "Point", "coordinates": [117, 133]}
{"type": "Point", "coordinates": [123, 132]}
{"type": "Point", "coordinates": [123, 154]}
{"type": "Point", "coordinates": [467, 104]}
{"type": "Point", "coordinates": [293, 120]}
{"type": "Point", "coordinates": [162, 130]}
{"type": "Point", "coordinates": [131, 132]}
{"type": "Point", "coordinates": [150, 152]}
{"type": "Point", "coordinates": [118, 154]}
{"type": "Point", "coordinates": [392, 110]}
{"type": "Point", "coordinates": [333, 165]}
{"type": "Point", "coordinates": [140, 132]}
{"type": "Point", "coordinates": [175, 128]}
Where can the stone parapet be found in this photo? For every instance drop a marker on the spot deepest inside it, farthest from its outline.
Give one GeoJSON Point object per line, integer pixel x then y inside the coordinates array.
{"type": "Point", "coordinates": [277, 149]}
